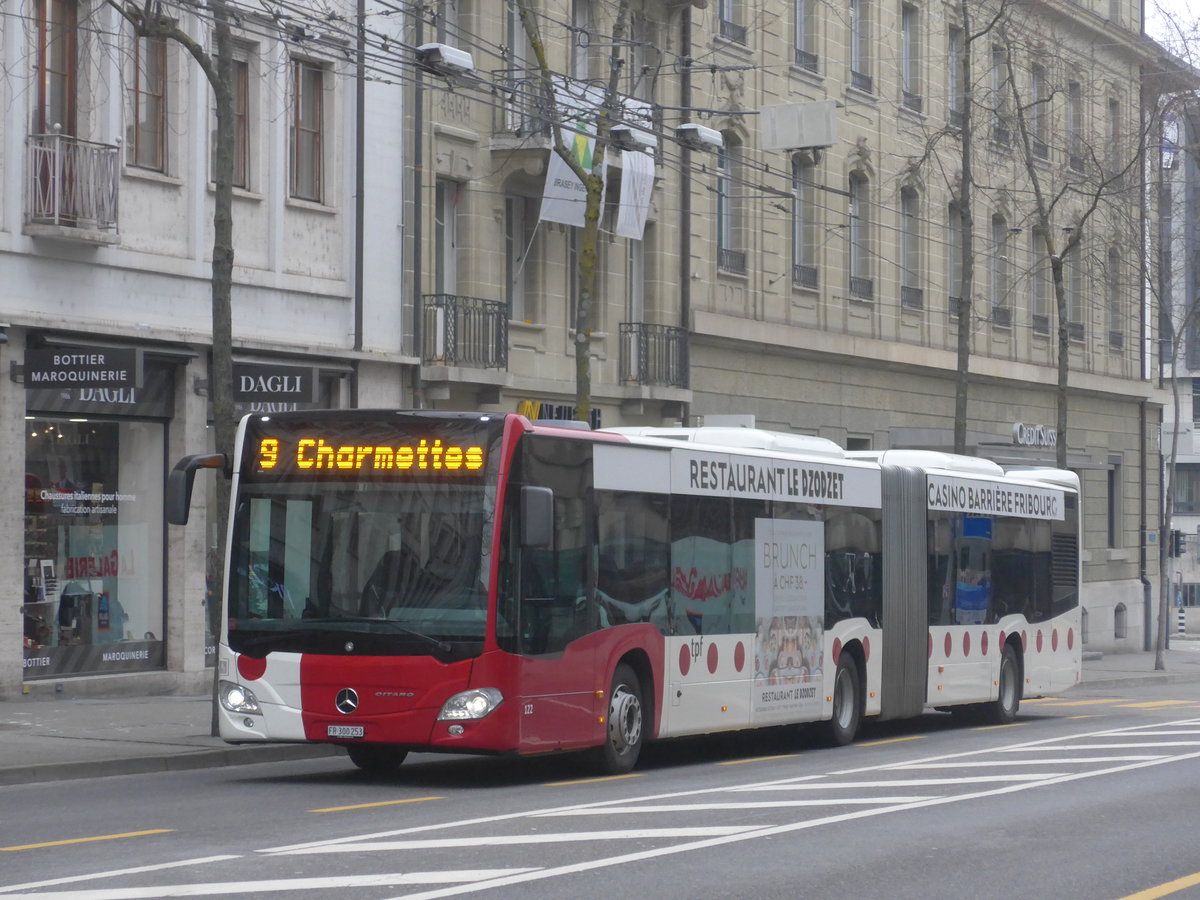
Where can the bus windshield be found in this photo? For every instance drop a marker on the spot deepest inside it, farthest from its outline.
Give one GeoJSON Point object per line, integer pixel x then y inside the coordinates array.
{"type": "Point", "coordinates": [360, 559]}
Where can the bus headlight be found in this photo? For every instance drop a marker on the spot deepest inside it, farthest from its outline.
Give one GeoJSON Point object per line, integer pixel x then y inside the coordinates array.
{"type": "Point", "coordinates": [238, 699]}
{"type": "Point", "coordinates": [473, 704]}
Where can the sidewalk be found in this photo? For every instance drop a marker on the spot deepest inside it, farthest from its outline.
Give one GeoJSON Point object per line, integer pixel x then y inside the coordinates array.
{"type": "Point", "coordinates": [62, 739]}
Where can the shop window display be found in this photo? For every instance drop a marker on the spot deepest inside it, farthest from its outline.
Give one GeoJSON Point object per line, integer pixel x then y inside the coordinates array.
{"type": "Point", "coordinates": [93, 598]}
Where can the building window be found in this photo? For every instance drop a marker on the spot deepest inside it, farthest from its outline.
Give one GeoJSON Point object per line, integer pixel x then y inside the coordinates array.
{"type": "Point", "coordinates": [307, 131]}
{"type": "Point", "coordinates": [912, 294]}
{"type": "Point", "coordinates": [1073, 263]}
{"type": "Point", "coordinates": [860, 45]}
{"type": "Point", "coordinates": [1186, 489]}
{"type": "Point", "coordinates": [731, 28]}
{"type": "Point", "coordinates": [580, 36]}
{"type": "Point", "coordinates": [241, 124]}
{"type": "Point", "coordinates": [910, 57]}
{"type": "Point", "coordinates": [445, 236]}
{"type": "Point", "coordinates": [1116, 320]}
{"type": "Point", "coordinates": [1001, 312]}
{"type": "Point", "coordinates": [1039, 284]}
{"type": "Point", "coordinates": [448, 21]}
{"type": "Point", "coordinates": [93, 599]}
{"type": "Point", "coordinates": [56, 61]}
{"type": "Point", "coordinates": [146, 132]}
{"type": "Point", "coordinates": [1039, 115]}
{"type": "Point", "coordinates": [1120, 615]}
{"type": "Point", "coordinates": [954, 257]}
{"type": "Point", "coordinates": [731, 257]}
{"type": "Point", "coordinates": [804, 222]}
{"type": "Point", "coordinates": [1114, 505]}
{"type": "Point", "coordinates": [1075, 126]}
{"type": "Point", "coordinates": [998, 100]}
{"type": "Point", "coordinates": [861, 285]}
{"type": "Point", "coordinates": [520, 230]}
{"type": "Point", "coordinates": [1115, 138]}
{"type": "Point", "coordinates": [806, 34]}
{"type": "Point", "coordinates": [955, 53]}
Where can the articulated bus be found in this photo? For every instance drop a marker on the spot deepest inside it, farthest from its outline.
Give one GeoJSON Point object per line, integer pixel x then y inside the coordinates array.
{"type": "Point", "coordinates": [464, 582]}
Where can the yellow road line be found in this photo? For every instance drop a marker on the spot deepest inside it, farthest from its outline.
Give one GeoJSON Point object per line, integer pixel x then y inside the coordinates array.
{"type": "Point", "coordinates": [87, 840]}
{"type": "Point", "coordinates": [1155, 704]}
{"type": "Point", "coordinates": [1085, 702]}
{"type": "Point", "coordinates": [591, 780]}
{"type": "Point", "coordinates": [911, 737]}
{"type": "Point", "coordinates": [994, 727]}
{"type": "Point", "coordinates": [380, 803]}
{"type": "Point", "coordinates": [754, 759]}
{"type": "Point", "coordinates": [1041, 700]}
{"type": "Point", "coordinates": [1082, 717]}
{"type": "Point", "coordinates": [1163, 890]}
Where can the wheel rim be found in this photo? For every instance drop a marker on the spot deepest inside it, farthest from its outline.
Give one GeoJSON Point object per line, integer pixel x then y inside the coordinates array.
{"type": "Point", "coordinates": [843, 699]}
{"type": "Point", "coordinates": [624, 720]}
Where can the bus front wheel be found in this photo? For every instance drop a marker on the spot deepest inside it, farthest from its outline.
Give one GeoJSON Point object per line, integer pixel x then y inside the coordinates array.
{"type": "Point", "coordinates": [626, 723]}
{"type": "Point", "coordinates": [376, 759]}
{"type": "Point", "coordinates": [847, 702]}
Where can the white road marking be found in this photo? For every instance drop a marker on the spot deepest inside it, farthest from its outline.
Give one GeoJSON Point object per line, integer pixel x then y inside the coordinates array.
{"type": "Point", "coordinates": [994, 763]}
{"type": "Point", "coordinates": [114, 873]}
{"type": "Point", "coordinates": [718, 807]}
{"type": "Point", "coordinates": [508, 840]}
{"type": "Point", "coordinates": [899, 782]}
{"type": "Point", "coordinates": [328, 883]}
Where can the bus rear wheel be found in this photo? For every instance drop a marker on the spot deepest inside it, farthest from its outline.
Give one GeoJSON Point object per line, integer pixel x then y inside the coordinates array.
{"type": "Point", "coordinates": [626, 723]}
{"type": "Point", "coordinates": [847, 702]}
{"type": "Point", "coordinates": [376, 759]}
{"type": "Point", "coordinates": [1003, 709]}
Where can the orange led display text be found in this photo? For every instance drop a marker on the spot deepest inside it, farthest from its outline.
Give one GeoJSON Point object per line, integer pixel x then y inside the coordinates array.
{"type": "Point", "coordinates": [425, 455]}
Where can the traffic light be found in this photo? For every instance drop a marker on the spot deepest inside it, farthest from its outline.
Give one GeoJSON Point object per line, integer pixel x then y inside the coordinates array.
{"type": "Point", "coordinates": [1176, 542]}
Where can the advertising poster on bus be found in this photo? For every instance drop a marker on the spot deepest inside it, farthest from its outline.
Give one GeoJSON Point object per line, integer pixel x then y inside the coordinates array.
{"type": "Point", "coordinates": [789, 603]}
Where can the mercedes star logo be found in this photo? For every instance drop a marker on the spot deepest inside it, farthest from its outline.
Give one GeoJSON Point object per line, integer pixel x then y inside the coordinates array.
{"type": "Point", "coordinates": [347, 701]}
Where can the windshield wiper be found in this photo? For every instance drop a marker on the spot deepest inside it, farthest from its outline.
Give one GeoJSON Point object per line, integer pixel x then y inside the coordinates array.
{"type": "Point", "coordinates": [440, 645]}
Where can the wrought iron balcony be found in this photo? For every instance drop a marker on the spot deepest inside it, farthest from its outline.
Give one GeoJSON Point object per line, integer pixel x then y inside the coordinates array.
{"type": "Point", "coordinates": [1041, 149]}
{"type": "Point", "coordinates": [464, 331]}
{"type": "Point", "coordinates": [653, 354]}
{"type": "Point", "coordinates": [524, 107]}
{"type": "Point", "coordinates": [911, 297]}
{"type": "Point", "coordinates": [733, 31]}
{"type": "Point", "coordinates": [1002, 315]}
{"type": "Point", "coordinates": [912, 101]}
{"type": "Point", "coordinates": [806, 276]}
{"type": "Point", "coordinates": [862, 288]}
{"type": "Point", "coordinates": [806, 60]}
{"type": "Point", "coordinates": [731, 260]}
{"type": "Point", "coordinates": [1041, 324]}
{"type": "Point", "coordinates": [861, 81]}
{"type": "Point", "coordinates": [70, 183]}
{"type": "Point", "coordinates": [1075, 331]}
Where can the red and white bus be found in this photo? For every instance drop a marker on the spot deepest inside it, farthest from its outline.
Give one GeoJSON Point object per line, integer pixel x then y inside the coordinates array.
{"type": "Point", "coordinates": [467, 582]}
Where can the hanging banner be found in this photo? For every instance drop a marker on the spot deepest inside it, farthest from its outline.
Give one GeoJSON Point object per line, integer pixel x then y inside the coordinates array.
{"type": "Point", "coordinates": [637, 184]}
{"type": "Point", "coordinates": [564, 198]}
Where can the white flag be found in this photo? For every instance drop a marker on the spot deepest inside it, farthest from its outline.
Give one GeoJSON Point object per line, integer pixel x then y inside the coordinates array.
{"type": "Point", "coordinates": [637, 184]}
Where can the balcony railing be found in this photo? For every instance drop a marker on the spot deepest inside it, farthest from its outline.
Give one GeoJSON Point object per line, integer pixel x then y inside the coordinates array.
{"type": "Point", "coordinates": [955, 307]}
{"type": "Point", "coordinates": [1041, 324]}
{"type": "Point", "coordinates": [1075, 331]}
{"type": "Point", "coordinates": [862, 288]}
{"type": "Point", "coordinates": [806, 60]}
{"type": "Point", "coordinates": [1041, 149]}
{"type": "Point", "coordinates": [806, 276]}
{"type": "Point", "coordinates": [733, 31]}
{"type": "Point", "coordinates": [70, 182]}
{"type": "Point", "coordinates": [861, 81]}
{"type": "Point", "coordinates": [912, 297]}
{"type": "Point", "coordinates": [1001, 135]}
{"type": "Point", "coordinates": [1002, 315]}
{"type": "Point", "coordinates": [912, 101]}
{"type": "Point", "coordinates": [464, 331]}
{"type": "Point", "coordinates": [731, 261]}
{"type": "Point", "coordinates": [956, 118]}
{"type": "Point", "coordinates": [653, 354]}
{"type": "Point", "coordinates": [1116, 340]}
{"type": "Point", "coordinates": [524, 108]}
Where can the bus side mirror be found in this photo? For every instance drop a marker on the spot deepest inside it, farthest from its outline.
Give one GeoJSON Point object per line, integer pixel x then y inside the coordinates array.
{"type": "Point", "coordinates": [181, 481]}
{"type": "Point", "coordinates": [537, 516]}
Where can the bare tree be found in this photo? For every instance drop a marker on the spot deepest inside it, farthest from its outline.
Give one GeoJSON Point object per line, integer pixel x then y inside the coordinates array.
{"type": "Point", "coordinates": [592, 179]}
{"type": "Point", "coordinates": [155, 19]}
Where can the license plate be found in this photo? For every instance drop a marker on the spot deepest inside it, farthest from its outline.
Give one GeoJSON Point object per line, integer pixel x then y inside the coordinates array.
{"type": "Point", "coordinates": [344, 731]}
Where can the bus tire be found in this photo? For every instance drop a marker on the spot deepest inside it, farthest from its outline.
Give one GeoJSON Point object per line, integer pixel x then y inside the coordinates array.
{"type": "Point", "coordinates": [376, 759]}
{"type": "Point", "coordinates": [1003, 709]}
{"type": "Point", "coordinates": [625, 728]}
{"type": "Point", "coordinates": [847, 702]}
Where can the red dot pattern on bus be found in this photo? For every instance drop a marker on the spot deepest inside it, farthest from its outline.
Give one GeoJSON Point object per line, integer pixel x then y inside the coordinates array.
{"type": "Point", "coordinates": [251, 668]}
{"type": "Point", "coordinates": [685, 659]}
{"type": "Point", "coordinates": [739, 656]}
{"type": "Point", "coordinates": [712, 659]}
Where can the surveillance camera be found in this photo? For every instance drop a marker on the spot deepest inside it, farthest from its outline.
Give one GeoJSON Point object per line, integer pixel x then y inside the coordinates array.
{"type": "Point", "coordinates": [698, 137]}
{"type": "Point", "coordinates": [445, 60]}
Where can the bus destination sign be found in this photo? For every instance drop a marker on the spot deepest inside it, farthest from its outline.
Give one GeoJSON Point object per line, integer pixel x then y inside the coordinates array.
{"type": "Point", "coordinates": [316, 457]}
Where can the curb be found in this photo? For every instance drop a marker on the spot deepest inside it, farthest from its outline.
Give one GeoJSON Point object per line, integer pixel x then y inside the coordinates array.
{"type": "Point", "coordinates": [142, 765]}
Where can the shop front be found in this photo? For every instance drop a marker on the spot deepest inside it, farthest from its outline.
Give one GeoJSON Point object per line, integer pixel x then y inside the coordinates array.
{"type": "Point", "coordinates": [95, 462]}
